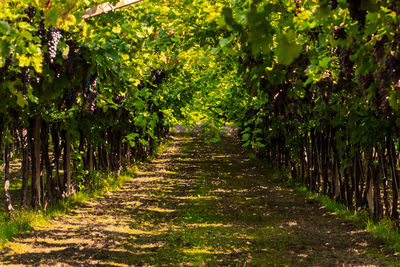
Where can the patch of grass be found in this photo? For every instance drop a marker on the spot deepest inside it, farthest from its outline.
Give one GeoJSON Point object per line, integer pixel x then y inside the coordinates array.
{"type": "Point", "coordinates": [161, 148]}
{"type": "Point", "coordinates": [384, 229]}
{"type": "Point", "coordinates": [21, 222]}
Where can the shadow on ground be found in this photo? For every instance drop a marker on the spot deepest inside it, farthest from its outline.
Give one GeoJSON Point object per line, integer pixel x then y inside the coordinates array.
{"type": "Point", "coordinates": [197, 204]}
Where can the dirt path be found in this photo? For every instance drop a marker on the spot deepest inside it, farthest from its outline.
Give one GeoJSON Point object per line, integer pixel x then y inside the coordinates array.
{"type": "Point", "coordinates": [198, 204]}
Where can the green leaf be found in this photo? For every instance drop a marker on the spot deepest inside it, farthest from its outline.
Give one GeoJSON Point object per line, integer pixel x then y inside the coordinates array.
{"type": "Point", "coordinates": [21, 101]}
{"type": "Point", "coordinates": [117, 29]}
{"type": "Point", "coordinates": [224, 41]}
{"type": "Point", "coordinates": [4, 28]}
{"type": "Point", "coordinates": [245, 137]}
{"type": "Point", "coordinates": [288, 50]}
{"type": "Point", "coordinates": [323, 62]}
{"type": "Point", "coordinates": [143, 142]}
{"type": "Point", "coordinates": [52, 16]}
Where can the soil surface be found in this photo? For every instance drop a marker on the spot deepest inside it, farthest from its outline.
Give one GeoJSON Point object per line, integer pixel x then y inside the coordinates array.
{"type": "Point", "coordinates": [199, 204]}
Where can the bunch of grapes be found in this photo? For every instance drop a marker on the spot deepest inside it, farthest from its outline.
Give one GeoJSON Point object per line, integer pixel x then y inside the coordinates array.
{"type": "Point", "coordinates": [30, 12]}
{"type": "Point", "coordinates": [392, 66]}
{"type": "Point", "coordinates": [397, 85]}
{"type": "Point", "coordinates": [356, 13]}
{"type": "Point", "coordinates": [119, 100]}
{"type": "Point", "coordinates": [90, 96]}
{"type": "Point", "coordinates": [41, 33]}
{"type": "Point", "coordinates": [57, 68]}
{"type": "Point", "coordinates": [339, 33]}
{"type": "Point", "coordinates": [366, 80]}
{"type": "Point", "coordinates": [53, 38]}
{"type": "Point", "coordinates": [70, 97]}
{"type": "Point", "coordinates": [345, 62]}
{"type": "Point", "coordinates": [89, 92]}
{"type": "Point", "coordinates": [26, 78]}
{"type": "Point", "coordinates": [94, 81]}
{"type": "Point", "coordinates": [157, 76]}
{"type": "Point", "coordinates": [333, 4]}
{"type": "Point", "coordinates": [90, 82]}
{"type": "Point", "coordinates": [325, 86]}
{"type": "Point", "coordinates": [379, 50]}
{"type": "Point", "coordinates": [382, 100]}
{"type": "Point", "coordinates": [86, 85]}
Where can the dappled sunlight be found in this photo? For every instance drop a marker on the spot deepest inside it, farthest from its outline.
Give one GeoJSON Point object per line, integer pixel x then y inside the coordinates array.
{"type": "Point", "coordinates": [148, 179]}
{"type": "Point", "coordinates": [202, 205]}
{"type": "Point", "coordinates": [198, 225]}
{"type": "Point", "coordinates": [150, 246]}
{"type": "Point", "coordinates": [291, 224]}
{"type": "Point", "coordinates": [203, 250]}
{"type": "Point", "coordinates": [221, 156]}
{"type": "Point", "coordinates": [198, 197]}
{"type": "Point", "coordinates": [157, 209]}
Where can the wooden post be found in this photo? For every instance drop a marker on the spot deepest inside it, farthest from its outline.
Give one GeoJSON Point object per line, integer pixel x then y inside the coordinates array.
{"type": "Point", "coordinates": [107, 7]}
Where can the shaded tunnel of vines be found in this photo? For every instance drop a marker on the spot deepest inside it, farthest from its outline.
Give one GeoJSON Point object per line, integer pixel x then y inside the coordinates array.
{"type": "Point", "coordinates": [311, 86]}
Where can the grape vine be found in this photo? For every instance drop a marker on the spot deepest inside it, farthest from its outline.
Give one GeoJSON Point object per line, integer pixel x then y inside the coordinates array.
{"type": "Point", "coordinates": [311, 85]}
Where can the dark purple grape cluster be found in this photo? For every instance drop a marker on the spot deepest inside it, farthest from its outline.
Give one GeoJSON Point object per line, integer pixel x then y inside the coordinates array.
{"type": "Point", "coordinates": [94, 82]}
{"type": "Point", "coordinates": [25, 77]}
{"type": "Point", "coordinates": [119, 100]}
{"type": "Point", "coordinates": [86, 85]}
{"type": "Point", "coordinates": [392, 66]}
{"type": "Point", "coordinates": [333, 4]}
{"type": "Point", "coordinates": [366, 80]}
{"type": "Point", "coordinates": [90, 82]}
{"type": "Point", "coordinates": [379, 50]}
{"type": "Point", "coordinates": [356, 13]}
{"type": "Point", "coordinates": [345, 62]}
{"type": "Point", "coordinates": [53, 38]}
{"type": "Point", "coordinates": [90, 96]}
{"type": "Point", "coordinates": [30, 12]}
{"type": "Point", "coordinates": [339, 33]}
{"type": "Point", "coordinates": [70, 97]}
{"type": "Point", "coordinates": [157, 76]}
{"type": "Point", "coordinates": [58, 69]}
{"type": "Point", "coordinates": [325, 86]}
{"type": "Point", "coordinates": [382, 100]}
{"type": "Point", "coordinates": [2, 73]}
{"type": "Point", "coordinates": [89, 92]}
{"type": "Point", "coordinates": [41, 33]}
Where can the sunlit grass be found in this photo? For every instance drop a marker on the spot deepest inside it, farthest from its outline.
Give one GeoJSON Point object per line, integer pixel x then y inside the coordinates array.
{"type": "Point", "coordinates": [386, 230]}
{"type": "Point", "coordinates": [21, 222]}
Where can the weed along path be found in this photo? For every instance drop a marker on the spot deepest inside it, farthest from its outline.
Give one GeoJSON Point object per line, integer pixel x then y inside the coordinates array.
{"type": "Point", "coordinates": [198, 204]}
